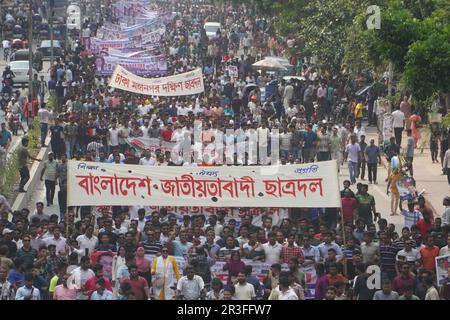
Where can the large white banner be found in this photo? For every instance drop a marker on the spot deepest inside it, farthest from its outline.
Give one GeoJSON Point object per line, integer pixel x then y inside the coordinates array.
{"type": "Point", "coordinates": [149, 65]}
{"type": "Point", "coordinates": [309, 185]}
{"type": "Point", "coordinates": [188, 83]}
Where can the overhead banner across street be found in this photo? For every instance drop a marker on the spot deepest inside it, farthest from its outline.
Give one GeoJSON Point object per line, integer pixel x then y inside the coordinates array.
{"type": "Point", "coordinates": [148, 66]}
{"type": "Point", "coordinates": [188, 83]}
{"type": "Point", "coordinates": [311, 185]}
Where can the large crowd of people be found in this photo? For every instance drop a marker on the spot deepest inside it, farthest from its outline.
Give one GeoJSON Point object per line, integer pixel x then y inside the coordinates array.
{"type": "Point", "coordinates": [90, 253]}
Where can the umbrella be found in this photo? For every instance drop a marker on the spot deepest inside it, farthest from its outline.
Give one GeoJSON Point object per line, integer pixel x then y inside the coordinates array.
{"type": "Point", "coordinates": [269, 65]}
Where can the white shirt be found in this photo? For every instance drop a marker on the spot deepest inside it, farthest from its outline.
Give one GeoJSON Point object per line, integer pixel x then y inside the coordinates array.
{"type": "Point", "coordinates": [143, 109]}
{"type": "Point", "coordinates": [89, 243]}
{"type": "Point", "coordinates": [147, 162]}
{"type": "Point", "coordinates": [432, 294]}
{"type": "Point", "coordinates": [263, 135]}
{"type": "Point", "coordinates": [272, 252]}
{"type": "Point", "coordinates": [287, 295]}
{"type": "Point", "coordinates": [5, 44]}
{"type": "Point", "coordinates": [190, 289]}
{"type": "Point", "coordinates": [244, 292]}
{"type": "Point", "coordinates": [444, 251]}
{"type": "Point", "coordinates": [44, 115]}
{"type": "Point", "coordinates": [145, 132]}
{"type": "Point", "coordinates": [114, 137]}
{"type": "Point", "coordinates": [285, 140]}
{"type": "Point", "coordinates": [80, 277]}
{"type": "Point", "coordinates": [183, 111]}
{"type": "Point", "coordinates": [111, 157]}
{"type": "Point", "coordinates": [410, 256]}
{"type": "Point", "coordinates": [60, 244]}
{"type": "Point", "coordinates": [398, 118]}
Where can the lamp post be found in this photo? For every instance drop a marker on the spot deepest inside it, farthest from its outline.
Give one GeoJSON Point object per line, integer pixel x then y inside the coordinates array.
{"type": "Point", "coordinates": [52, 5]}
{"type": "Point", "coordinates": [30, 55]}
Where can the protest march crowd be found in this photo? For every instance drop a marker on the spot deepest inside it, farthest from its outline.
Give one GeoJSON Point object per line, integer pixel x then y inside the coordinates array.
{"type": "Point", "coordinates": [214, 253]}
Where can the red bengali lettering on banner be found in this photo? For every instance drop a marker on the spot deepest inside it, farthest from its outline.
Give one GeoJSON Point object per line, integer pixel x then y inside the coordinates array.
{"type": "Point", "coordinates": [121, 80]}
{"type": "Point", "coordinates": [89, 184]}
{"type": "Point", "coordinates": [165, 87]}
{"type": "Point", "coordinates": [196, 82]}
{"type": "Point", "coordinates": [315, 184]}
{"type": "Point", "coordinates": [188, 84]}
{"type": "Point", "coordinates": [186, 185]}
{"type": "Point", "coordinates": [279, 188]}
{"type": "Point", "coordinates": [210, 210]}
{"type": "Point", "coordinates": [137, 86]}
{"type": "Point", "coordinates": [196, 210]}
{"type": "Point", "coordinates": [117, 186]}
{"type": "Point", "coordinates": [247, 184]}
{"type": "Point", "coordinates": [189, 186]}
{"type": "Point", "coordinates": [184, 210]}
{"type": "Point", "coordinates": [170, 187]}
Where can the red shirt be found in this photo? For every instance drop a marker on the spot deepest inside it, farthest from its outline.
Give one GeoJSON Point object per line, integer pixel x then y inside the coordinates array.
{"type": "Point", "coordinates": [400, 282]}
{"type": "Point", "coordinates": [137, 286]}
{"type": "Point", "coordinates": [348, 206]}
{"type": "Point", "coordinates": [423, 227]}
{"type": "Point", "coordinates": [166, 134]}
{"type": "Point", "coordinates": [428, 257]}
{"type": "Point", "coordinates": [288, 252]}
{"type": "Point", "coordinates": [91, 286]}
{"type": "Point", "coordinates": [422, 210]}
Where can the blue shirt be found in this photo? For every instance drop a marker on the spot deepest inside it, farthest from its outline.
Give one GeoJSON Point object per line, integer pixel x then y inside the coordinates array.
{"type": "Point", "coordinates": [372, 154]}
{"type": "Point", "coordinates": [180, 249]}
{"type": "Point", "coordinates": [324, 247]}
{"type": "Point", "coordinates": [16, 278]}
{"type": "Point", "coordinates": [5, 137]}
{"type": "Point", "coordinates": [310, 138]}
{"type": "Point", "coordinates": [23, 292]}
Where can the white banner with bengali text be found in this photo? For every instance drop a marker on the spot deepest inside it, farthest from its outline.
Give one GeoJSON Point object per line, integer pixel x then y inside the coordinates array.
{"type": "Point", "coordinates": [189, 83]}
{"type": "Point", "coordinates": [313, 185]}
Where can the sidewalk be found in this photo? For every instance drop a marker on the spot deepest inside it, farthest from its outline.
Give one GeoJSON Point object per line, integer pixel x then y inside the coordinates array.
{"type": "Point", "coordinates": [428, 176]}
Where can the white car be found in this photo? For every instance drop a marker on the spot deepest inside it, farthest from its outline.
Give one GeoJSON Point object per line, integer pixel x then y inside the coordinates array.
{"type": "Point", "coordinates": [211, 29]}
{"type": "Point", "coordinates": [20, 69]}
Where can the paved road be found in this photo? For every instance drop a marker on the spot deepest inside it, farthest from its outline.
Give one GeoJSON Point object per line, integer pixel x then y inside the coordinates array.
{"type": "Point", "coordinates": [428, 176]}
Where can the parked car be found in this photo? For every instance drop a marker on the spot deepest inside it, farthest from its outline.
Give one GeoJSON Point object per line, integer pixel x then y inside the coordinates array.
{"type": "Point", "coordinates": [20, 69]}
{"type": "Point", "coordinates": [23, 55]}
{"type": "Point", "coordinates": [211, 29]}
{"type": "Point", "coordinates": [45, 48]}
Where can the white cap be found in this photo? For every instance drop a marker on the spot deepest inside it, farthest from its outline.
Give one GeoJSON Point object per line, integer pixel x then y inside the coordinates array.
{"type": "Point", "coordinates": [6, 231]}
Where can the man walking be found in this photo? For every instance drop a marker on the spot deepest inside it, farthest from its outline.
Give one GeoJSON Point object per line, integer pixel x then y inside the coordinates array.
{"type": "Point", "coordinates": [373, 158]}
{"type": "Point", "coordinates": [398, 123]}
{"type": "Point", "coordinates": [50, 171]}
{"type": "Point", "coordinates": [352, 154]}
{"type": "Point", "coordinates": [410, 152]}
{"type": "Point", "coordinates": [22, 157]}
{"type": "Point", "coordinates": [44, 117]}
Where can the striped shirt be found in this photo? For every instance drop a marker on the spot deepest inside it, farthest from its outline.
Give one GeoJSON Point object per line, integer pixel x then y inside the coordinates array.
{"type": "Point", "coordinates": [411, 218]}
{"type": "Point", "coordinates": [95, 146]}
{"type": "Point", "coordinates": [152, 247]}
{"type": "Point", "coordinates": [387, 257]}
{"type": "Point", "coordinates": [399, 244]}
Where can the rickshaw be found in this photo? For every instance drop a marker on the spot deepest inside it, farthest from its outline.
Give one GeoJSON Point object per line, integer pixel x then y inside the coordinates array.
{"type": "Point", "coordinates": [44, 31]}
{"type": "Point", "coordinates": [18, 31]}
{"type": "Point", "coordinates": [18, 44]}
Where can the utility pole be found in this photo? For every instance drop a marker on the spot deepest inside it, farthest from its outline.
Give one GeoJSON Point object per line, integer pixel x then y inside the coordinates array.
{"type": "Point", "coordinates": [52, 5]}
{"type": "Point", "coordinates": [30, 55]}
